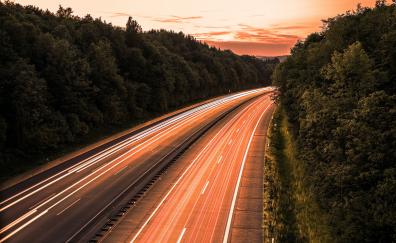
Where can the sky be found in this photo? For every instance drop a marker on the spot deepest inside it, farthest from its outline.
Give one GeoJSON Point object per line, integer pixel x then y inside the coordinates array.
{"type": "Point", "coordinates": [253, 27]}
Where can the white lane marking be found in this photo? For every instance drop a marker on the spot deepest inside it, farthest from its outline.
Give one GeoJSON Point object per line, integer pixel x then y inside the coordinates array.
{"type": "Point", "coordinates": [112, 201]}
{"type": "Point", "coordinates": [228, 126]}
{"type": "Point", "coordinates": [33, 192]}
{"type": "Point", "coordinates": [67, 196]}
{"type": "Point", "coordinates": [174, 185]}
{"type": "Point", "coordinates": [177, 210]}
{"type": "Point", "coordinates": [107, 152]}
{"type": "Point", "coordinates": [230, 141]}
{"type": "Point", "coordinates": [27, 189]}
{"type": "Point", "coordinates": [220, 158]}
{"type": "Point", "coordinates": [71, 205]}
{"type": "Point", "coordinates": [181, 235]}
{"type": "Point", "coordinates": [163, 200]}
{"type": "Point", "coordinates": [144, 134]}
{"type": "Point", "coordinates": [30, 221]}
{"type": "Point", "coordinates": [206, 185]}
{"type": "Point", "coordinates": [108, 169]}
{"type": "Point", "coordinates": [148, 142]}
{"type": "Point", "coordinates": [237, 130]}
{"type": "Point", "coordinates": [23, 226]}
{"type": "Point", "coordinates": [244, 121]}
{"type": "Point", "coordinates": [231, 212]}
{"type": "Point", "coordinates": [115, 148]}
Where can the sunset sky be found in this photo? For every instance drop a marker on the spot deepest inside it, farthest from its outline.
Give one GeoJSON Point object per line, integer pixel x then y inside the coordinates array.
{"type": "Point", "coordinates": [255, 27]}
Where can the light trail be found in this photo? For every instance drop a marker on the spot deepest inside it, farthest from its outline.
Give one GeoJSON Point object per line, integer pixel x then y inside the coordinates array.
{"type": "Point", "coordinates": [109, 162]}
{"type": "Point", "coordinates": [195, 202]}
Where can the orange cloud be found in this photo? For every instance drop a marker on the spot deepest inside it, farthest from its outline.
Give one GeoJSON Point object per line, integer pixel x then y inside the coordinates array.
{"type": "Point", "coordinates": [212, 27]}
{"type": "Point", "coordinates": [123, 14]}
{"type": "Point", "coordinates": [210, 35]}
{"type": "Point", "coordinates": [170, 19]}
{"type": "Point", "coordinates": [264, 35]}
{"type": "Point", "coordinates": [114, 15]}
{"type": "Point", "coordinates": [290, 27]}
{"type": "Point", "coordinates": [252, 40]}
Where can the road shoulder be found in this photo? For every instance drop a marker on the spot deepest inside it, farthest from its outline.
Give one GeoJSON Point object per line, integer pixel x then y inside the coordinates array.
{"type": "Point", "coordinates": [248, 213]}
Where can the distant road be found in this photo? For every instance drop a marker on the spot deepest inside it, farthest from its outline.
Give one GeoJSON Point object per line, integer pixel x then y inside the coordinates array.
{"type": "Point", "coordinates": [70, 201]}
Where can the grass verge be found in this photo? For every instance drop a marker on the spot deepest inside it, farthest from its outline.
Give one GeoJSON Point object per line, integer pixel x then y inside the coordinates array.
{"type": "Point", "coordinates": [290, 211]}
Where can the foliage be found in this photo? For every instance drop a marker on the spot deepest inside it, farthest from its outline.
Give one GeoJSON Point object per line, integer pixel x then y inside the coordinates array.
{"type": "Point", "coordinates": [294, 215]}
{"type": "Point", "coordinates": [338, 90]}
{"type": "Point", "coordinates": [64, 78]}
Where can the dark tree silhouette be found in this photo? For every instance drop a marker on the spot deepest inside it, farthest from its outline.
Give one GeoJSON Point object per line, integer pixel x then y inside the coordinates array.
{"type": "Point", "coordinates": [66, 79]}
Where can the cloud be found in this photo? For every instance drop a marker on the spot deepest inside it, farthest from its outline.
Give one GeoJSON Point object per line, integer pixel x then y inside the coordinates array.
{"type": "Point", "coordinates": [176, 19]}
{"type": "Point", "coordinates": [170, 19]}
{"type": "Point", "coordinates": [212, 27]}
{"type": "Point", "coordinates": [264, 35]}
{"type": "Point", "coordinates": [210, 35]}
{"type": "Point", "coordinates": [247, 39]}
{"type": "Point", "coordinates": [119, 14]}
{"type": "Point", "coordinates": [123, 14]}
{"type": "Point", "coordinates": [290, 27]}
{"type": "Point", "coordinates": [247, 33]}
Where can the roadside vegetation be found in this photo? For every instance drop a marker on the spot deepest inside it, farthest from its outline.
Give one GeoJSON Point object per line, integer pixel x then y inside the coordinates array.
{"type": "Point", "coordinates": [334, 142]}
{"type": "Point", "coordinates": [291, 213]}
{"type": "Point", "coordinates": [67, 80]}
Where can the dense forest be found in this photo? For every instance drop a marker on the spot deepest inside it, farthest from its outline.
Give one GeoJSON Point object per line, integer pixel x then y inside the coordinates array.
{"type": "Point", "coordinates": [63, 77]}
{"type": "Point", "coordinates": [338, 90]}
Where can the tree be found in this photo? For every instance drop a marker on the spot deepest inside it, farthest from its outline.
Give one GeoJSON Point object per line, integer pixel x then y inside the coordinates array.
{"type": "Point", "coordinates": [337, 89]}
{"type": "Point", "coordinates": [64, 78]}
{"type": "Point", "coordinates": [351, 73]}
{"type": "Point", "coordinates": [31, 118]}
{"type": "Point", "coordinates": [64, 12]}
{"type": "Point", "coordinates": [110, 85]}
{"type": "Point", "coordinates": [132, 33]}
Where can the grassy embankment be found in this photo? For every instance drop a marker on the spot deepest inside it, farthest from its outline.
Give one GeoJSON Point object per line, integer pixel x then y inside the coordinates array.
{"type": "Point", "coordinates": [290, 213]}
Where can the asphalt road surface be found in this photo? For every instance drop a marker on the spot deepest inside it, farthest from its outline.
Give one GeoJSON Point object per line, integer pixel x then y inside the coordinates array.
{"type": "Point", "coordinates": [64, 202]}
{"type": "Point", "coordinates": [200, 204]}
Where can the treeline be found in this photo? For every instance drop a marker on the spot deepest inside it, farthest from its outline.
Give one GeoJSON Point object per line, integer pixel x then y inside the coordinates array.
{"type": "Point", "coordinates": [63, 77]}
{"type": "Point", "coordinates": [338, 89]}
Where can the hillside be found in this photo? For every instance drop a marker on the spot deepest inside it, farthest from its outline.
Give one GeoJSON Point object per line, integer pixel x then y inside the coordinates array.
{"type": "Point", "coordinates": [68, 80]}
{"type": "Point", "coordinates": [338, 91]}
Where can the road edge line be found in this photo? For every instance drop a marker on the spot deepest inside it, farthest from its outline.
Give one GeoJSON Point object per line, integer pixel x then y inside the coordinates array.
{"type": "Point", "coordinates": [231, 212]}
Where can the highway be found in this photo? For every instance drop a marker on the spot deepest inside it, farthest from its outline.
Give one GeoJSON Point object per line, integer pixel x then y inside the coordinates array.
{"type": "Point", "coordinates": [68, 202]}
{"type": "Point", "coordinates": [199, 207]}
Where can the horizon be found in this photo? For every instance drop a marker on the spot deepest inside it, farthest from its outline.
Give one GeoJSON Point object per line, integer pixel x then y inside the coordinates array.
{"type": "Point", "coordinates": [262, 28]}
